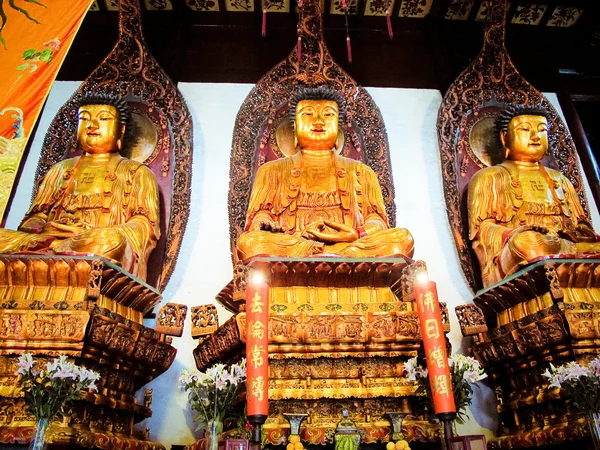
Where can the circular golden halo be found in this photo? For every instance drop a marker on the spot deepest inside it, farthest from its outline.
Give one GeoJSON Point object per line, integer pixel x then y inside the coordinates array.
{"type": "Point", "coordinates": [144, 143]}
{"type": "Point", "coordinates": [483, 142]}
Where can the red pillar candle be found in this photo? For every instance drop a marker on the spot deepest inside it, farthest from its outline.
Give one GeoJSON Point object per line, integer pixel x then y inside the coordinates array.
{"type": "Point", "coordinates": [257, 345]}
{"type": "Point", "coordinates": [434, 344]}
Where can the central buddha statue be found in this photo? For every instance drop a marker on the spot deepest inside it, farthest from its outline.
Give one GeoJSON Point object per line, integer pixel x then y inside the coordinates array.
{"type": "Point", "coordinates": [520, 210]}
{"type": "Point", "coordinates": [317, 202]}
{"type": "Point", "coordinates": [99, 203]}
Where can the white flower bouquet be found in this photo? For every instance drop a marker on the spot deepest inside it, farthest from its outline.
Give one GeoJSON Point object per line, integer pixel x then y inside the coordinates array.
{"type": "Point", "coordinates": [580, 383]}
{"type": "Point", "coordinates": [465, 371]}
{"type": "Point", "coordinates": [48, 389]}
{"type": "Point", "coordinates": [212, 393]}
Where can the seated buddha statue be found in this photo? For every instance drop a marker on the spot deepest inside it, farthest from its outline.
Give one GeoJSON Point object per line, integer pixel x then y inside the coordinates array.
{"type": "Point", "coordinates": [99, 203]}
{"type": "Point", "coordinates": [317, 202]}
{"type": "Point", "coordinates": [520, 210]}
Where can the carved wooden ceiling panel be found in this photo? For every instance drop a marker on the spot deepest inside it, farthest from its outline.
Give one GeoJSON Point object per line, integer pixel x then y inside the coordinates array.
{"type": "Point", "coordinates": [550, 13]}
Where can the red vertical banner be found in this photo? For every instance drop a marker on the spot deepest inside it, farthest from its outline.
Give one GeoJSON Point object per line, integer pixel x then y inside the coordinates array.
{"type": "Point", "coordinates": [257, 345]}
{"type": "Point", "coordinates": [434, 344]}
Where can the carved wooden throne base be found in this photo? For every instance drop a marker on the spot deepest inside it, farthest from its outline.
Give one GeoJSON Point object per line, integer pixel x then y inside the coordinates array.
{"type": "Point", "coordinates": [548, 312]}
{"type": "Point", "coordinates": [91, 310]}
{"type": "Point", "coordinates": [340, 331]}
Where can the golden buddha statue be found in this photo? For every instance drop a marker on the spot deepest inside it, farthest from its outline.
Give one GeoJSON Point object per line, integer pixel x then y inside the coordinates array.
{"type": "Point", "coordinates": [520, 210]}
{"type": "Point", "coordinates": [317, 202]}
{"type": "Point", "coordinates": [99, 203]}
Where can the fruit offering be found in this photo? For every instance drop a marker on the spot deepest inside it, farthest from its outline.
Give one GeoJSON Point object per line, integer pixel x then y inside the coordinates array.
{"type": "Point", "coordinates": [400, 445]}
{"type": "Point", "coordinates": [294, 443]}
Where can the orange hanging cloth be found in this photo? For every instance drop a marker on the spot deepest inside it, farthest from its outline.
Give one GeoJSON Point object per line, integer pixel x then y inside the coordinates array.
{"type": "Point", "coordinates": [33, 45]}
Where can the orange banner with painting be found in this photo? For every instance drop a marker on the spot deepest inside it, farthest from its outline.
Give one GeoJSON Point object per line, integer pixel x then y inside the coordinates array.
{"type": "Point", "coordinates": [34, 39]}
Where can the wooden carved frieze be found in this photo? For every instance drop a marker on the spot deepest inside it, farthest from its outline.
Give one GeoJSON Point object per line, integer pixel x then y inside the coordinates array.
{"type": "Point", "coordinates": [225, 344]}
{"type": "Point", "coordinates": [528, 338]}
{"type": "Point", "coordinates": [506, 346]}
{"type": "Point", "coordinates": [43, 325]}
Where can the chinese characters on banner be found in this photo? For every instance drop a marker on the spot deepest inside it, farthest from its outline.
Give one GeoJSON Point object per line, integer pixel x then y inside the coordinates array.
{"type": "Point", "coordinates": [34, 41]}
{"type": "Point", "coordinates": [257, 344]}
{"type": "Point", "coordinates": [434, 344]}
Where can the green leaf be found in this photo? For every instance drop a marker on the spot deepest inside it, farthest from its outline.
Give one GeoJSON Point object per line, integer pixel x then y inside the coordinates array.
{"type": "Point", "coordinates": [28, 54]}
{"type": "Point", "coordinates": [46, 56]}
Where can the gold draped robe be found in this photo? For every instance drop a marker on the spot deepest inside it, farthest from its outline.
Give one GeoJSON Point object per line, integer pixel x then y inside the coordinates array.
{"type": "Point", "coordinates": [118, 217]}
{"type": "Point", "coordinates": [355, 199]}
{"type": "Point", "coordinates": [513, 194]}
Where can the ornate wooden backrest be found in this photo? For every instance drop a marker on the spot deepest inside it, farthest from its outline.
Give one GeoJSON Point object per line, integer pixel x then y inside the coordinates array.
{"type": "Point", "coordinates": [164, 124]}
{"type": "Point", "coordinates": [263, 130]}
{"type": "Point", "coordinates": [467, 135]}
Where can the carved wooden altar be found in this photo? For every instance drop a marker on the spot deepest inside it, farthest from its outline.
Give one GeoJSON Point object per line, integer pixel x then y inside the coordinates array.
{"type": "Point", "coordinates": [522, 323]}
{"type": "Point", "coordinates": [85, 306]}
{"type": "Point", "coordinates": [90, 309]}
{"type": "Point", "coordinates": [556, 302]}
{"type": "Point", "coordinates": [340, 331]}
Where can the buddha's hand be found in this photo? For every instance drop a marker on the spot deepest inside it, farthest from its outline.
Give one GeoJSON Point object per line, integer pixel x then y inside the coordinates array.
{"type": "Point", "coordinates": [273, 227]}
{"type": "Point", "coordinates": [318, 231]}
{"type": "Point", "coordinates": [537, 228]}
{"type": "Point", "coordinates": [33, 225]}
{"type": "Point", "coordinates": [62, 230]}
{"type": "Point", "coordinates": [580, 233]}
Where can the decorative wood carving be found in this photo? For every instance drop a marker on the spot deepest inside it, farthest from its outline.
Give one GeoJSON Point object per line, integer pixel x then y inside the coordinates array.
{"type": "Point", "coordinates": [467, 137]}
{"type": "Point", "coordinates": [205, 320]}
{"type": "Point", "coordinates": [262, 124]}
{"type": "Point", "coordinates": [131, 72]}
{"type": "Point", "coordinates": [171, 318]}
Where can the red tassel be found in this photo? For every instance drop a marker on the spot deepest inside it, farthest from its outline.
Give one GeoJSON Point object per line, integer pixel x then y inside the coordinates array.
{"type": "Point", "coordinates": [389, 25]}
{"type": "Point", "coordinates": [264, 23]}
{"type": "Point", "coordinates": [349, 48]}
{"type": "Point", "coordinates": [344, 4]}
{"type": "Point", "coordinates": [299, 50]}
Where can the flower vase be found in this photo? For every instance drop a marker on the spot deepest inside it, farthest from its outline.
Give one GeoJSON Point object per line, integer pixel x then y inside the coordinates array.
{"type": "Point", "coordinates": [213, 429]}
{"type": "Point", "coordinates": [594, 424]}
{"type": "Point", "coordinates": [38, 442]}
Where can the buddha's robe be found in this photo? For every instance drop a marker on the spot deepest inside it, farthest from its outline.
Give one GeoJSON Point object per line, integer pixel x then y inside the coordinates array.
{"type": "Point", "coordinates": [112, 204]}
{"type": "Point", "coordinates": [520, 211]}
{"type": "Point", "coordinates": [354, 199]}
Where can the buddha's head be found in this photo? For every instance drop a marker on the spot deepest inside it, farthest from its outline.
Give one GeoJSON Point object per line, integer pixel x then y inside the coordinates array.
{"type": "Point", "coordinates": [317, 114]}
{"type": "Point", "coordinates": [103, 119]}
{"type": "Point", "coordinates": [523, 133]}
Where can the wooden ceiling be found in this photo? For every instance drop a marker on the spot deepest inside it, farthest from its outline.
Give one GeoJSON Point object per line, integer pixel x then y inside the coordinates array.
{"type": "Point", "coordinates": [220, 40]}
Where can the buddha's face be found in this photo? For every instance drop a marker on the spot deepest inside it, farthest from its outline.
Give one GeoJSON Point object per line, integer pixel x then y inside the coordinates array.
{"type": "Point", "coordinates": [316, 124]}
{"type": "Point", "coordinates": [526, 138]}
{"type": "Point", "coordinates": [100, 129]}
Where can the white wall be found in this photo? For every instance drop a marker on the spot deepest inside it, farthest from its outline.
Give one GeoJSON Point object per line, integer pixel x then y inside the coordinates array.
{"type": "Point", "coordinates": [204, 265]}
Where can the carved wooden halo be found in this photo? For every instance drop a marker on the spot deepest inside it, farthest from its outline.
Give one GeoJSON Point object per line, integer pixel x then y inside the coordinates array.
{"type": "Point", "coordinates": [464, 124]}
{"type": "Point", "coordinates": [477, 136]}
{"type": "Point", "coordinates": [130, 72]}
{"type": "Point", "coordinates": [263, 111]}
